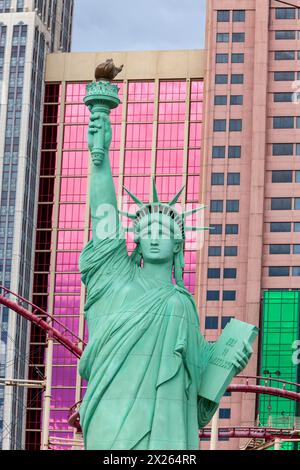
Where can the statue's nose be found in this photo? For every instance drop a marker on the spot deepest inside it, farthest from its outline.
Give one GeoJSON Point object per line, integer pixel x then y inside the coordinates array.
{"type": "Point", "coordinates": [154, 241]}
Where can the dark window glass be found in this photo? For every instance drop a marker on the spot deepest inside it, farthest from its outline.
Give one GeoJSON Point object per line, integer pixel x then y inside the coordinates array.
{"type": "Point", "coordinates": [283, 122]}
{"type": "Point", "coordinates": [218, 151]}
{"type": "Point", "coordinates": [297, 176]}
{"type": "Point", "coordinates": [283, 97]}
{"type": "Point", "coordinates": [234, 151]}
{"type": "Point", "coordinates": [280, 249]}
{"type": "Point", "coordinates": [216, 229]}
{"type": "Point", "coordinates": [224, 322]}
{"type": "Point", "coordinates": [236, 99]}
{"type": "Point", "coordinates": [233, 179]}
{"type": "Point", "coordinates": [238, 16]}
{"type": "Point", "coordinates": [285, 34]}
{"type": "Point", "coordinates": [211, 323]}
{"type": "Point", "coordinates": [212, 295]}
{"type": "Point", "coordinates": [237, 79]}
{"type": "Point", "coordinates": [229, 295]}
{"type": "Point", "coordinates": [237, 58]}
{"type": "Point", "coordinates": [235, 125]}
{"type": "Point", "coordinates": [284, 76]}
{"type": "Point", "coordinates": [284, 55]}
{"type": "Point", "coordinates": [214, 273]}
{"type": "Point", "coordinates": [282, 149]}
{"type": "Point", "coordinates": [214, 251]}
{"type": "Point", "coordinates": [224, 413]}
{"type": "Point", "coordinates": [217, 179]}
{"type": "Point", "coordinates": [275, 271]}
{"type": "Point", "coordinates": [229, 273]}
{"type": "Point", "coordinates": [238, 37]}
{"type": "Point", "coordinates": [232, 205]}
{"type": "Point", "coordinates": [223, 16]}
{"type": "Point", "coordinates": [282, 176]}
{"type": "Point", "coordinates": [297, 203]}
{"type": "Point", "coordinates": [296, 249]}
{"type": "Point", "coordinates": [232, 229]}
{"type": "Point", "coordinates": [221, 79]}
{"type": "Point", "coordinates": [281, 203]}
{"type": "Point", "coordinates": [230, 251]}
{"type": "Point", "coordinates": [296, 271]}
{"type": "Point", "coordinates": [221, 58]}
{"type": "Point", "coordinates": [285, 13]}
{"type": "Point", "coordinates": [281, 227]}
{"type": "Point", "coordinates": [220, 100]}
{"type": "Point", "coordinates": [296, 226]}
{"type": "Point", "coordinates": [219, 125]}
{"type": "Point", "coordinates": [216, 206]}
{"type": "Point", "coordinates": [222, 37]}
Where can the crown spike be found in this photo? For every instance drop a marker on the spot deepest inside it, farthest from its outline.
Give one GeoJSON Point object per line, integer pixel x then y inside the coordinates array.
{"type": "Point", "coordinates": [136, 200]}
{"type": "Point", "coordinates": [193, 211]}
{"type": "Point", "coordinates": [175, 199]}
{"type": "Point", "coordinates": [154, 189]}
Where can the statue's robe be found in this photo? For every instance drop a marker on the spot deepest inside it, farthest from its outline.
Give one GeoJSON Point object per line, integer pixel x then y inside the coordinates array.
{"type": "Point", "coordinates": [144, 359]}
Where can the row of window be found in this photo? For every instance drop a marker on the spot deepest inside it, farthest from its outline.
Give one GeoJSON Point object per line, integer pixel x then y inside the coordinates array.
{"type": "Point", "coordinates": [287, 55]}
{"type": "Point", "coordinates": [284, 249]}
{"type": "Point", "coordinates": [286, 122]}
{"type": "Point", "coordinates": [212, 322]}
{"type": "Point", "coordinates": [235, 125]}
{"type": "Point", "coordinates": [215, 273]}
{"type": "Point", "coordinates": [234, 151]}
{"type": "Point", "coordinates": [235, 79]}
{"type": "Point", "coordinates": [238, 16]}
{"type": "Point", "coordinates": [284, 271]}
{"type": "Point", "coordinates": [235, 37]}
{"type": "Point", "coordinates": [227, 295]}
{"type": "Point", "coordinates": [285, 176]}
{"type": "Point", "coordinates": [287, 34]}
{"type": "Point", "coordinates": [285, 149]}
{"type": "Point", "coordinates": [217, 251]}
{"type": "Point", "coordinates": [236, 58]}
{"type": "Point", "coordinates": [285, 203]}
{"type": "Point", "coordinates": [286, 76]}
{"type": "Point", "coordinates": [233, 179]}
{"type": "Point", "coordinates": [284, 227]}
{"type": "Point", "coordinates": [232, 205]}
{"type": "Point", "coordinates": [286, 13]}
{"type": "Point", "coordinates": [223, 100]}
{"type": "Point", "coordinates": [230, 229]}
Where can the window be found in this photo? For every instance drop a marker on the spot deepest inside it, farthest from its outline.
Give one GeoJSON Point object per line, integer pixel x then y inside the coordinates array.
{"type": "Point", "coordinates": [217, 179]}
{"type": "Point", "coordinates": [297, 203]}
{"type": "Point", "coordinates": [229, 295]}
{"type": "Point", "coordinates": [223, 16]}
{"type": "Point", "coordinates": [284, 176]}
{"type": "Point", "coordinates": [213, 295]}
{"type": "Point", "coordinates": [216, 229]}
{"type": "Point", "coordinates": [211, 323]}
{"type": "Point", "coordinates": [296, 249]}
{"type": "Point", "coordinates": [222, 37]}
{"type": "Point", "coordinates": [214, 273]}
{"type": "Point", "coordinates": [225, 320]}
{"type": "Point", "coordinates": [238, 37]}
{"type": "Point", "coordinates": [284, 76]}
{"type": "Point", "coordinates": [218, 151]}
{"type": "Point", "coordinates": [232, 205]}
{"type": "Point", "coordinates": [229, 273]}
{"type": "Point", "coordinates": [221, 58]}
{"type": "Point", "coordinates": [296, 271]}
{"type": "Point", "coordinates": [221, 79]}
{"type": "Point", "coordinates": [238, 16]}
{"type": "Point", "coordinates": [214, 251]}
{"type": "Point", "coordinates": [224, 413]}
{"type": "Point", "coordinates": [216, 206]}
{"type": "Point", "coordinates": [236, 99]}
{"type": "Point", "coordinates": [282, 150]}
{"type": "Point", "coordinates": [231, 229]}
{"type": "Point", "coordinates": [285, 34]}
{"type": "Point", "coordinates": [237, 58]}
{"type": "Point", "coordinates": [220, 100]}
{"type": "Point", "coordinates": [281, 203]}
{"type": "Point", "coordinates": [297, 176]}
{"type": "Point", "coordinates": [280, 249]}
{"type": "Point", "coordinates": [284, 55]}
{"type": "Point", "coordinates": [297, 149]}
{"type": "Point", "coordinates": [280, 227]}
{"type": "Point", "coordinates": [297, 227]}
{"type": "Point", "coordinates": [283, 97]}
{"type": "Point", "coordinates": [230, 251]}
{"type": "Point", "coordinates": [219, 125]}
{"type": "Point", "coordinates": [283, 122]}
{"type": "Point", "coordinates": [234, 151]}
{"type": "Point", "coordinates": [233, 179]}
{"type": "Point", "coordinates": [285, 13]}
{"type": "Point", "coordinates": [235, 125]}
{"type": "Point", "coordinates": [237, 79]}
{"type": "Point", "coordinates": [279, 271]}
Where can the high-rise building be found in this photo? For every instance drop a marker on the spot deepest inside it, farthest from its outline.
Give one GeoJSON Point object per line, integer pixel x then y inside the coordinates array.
{"type": "Point", "coordinates": [156, 133]}
{"type": "Point", "coordinates": [250, 265]}
{"type": "Point", "coordinates": [28, 30]}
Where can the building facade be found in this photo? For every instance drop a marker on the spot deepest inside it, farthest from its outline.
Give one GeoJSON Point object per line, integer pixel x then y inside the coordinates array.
{"type": "Point", "coordinates": [251, 173]}
{"type": "Point", "coordinates": [28, 30]}
{"type": "Point", "coordinates": [156, 133]}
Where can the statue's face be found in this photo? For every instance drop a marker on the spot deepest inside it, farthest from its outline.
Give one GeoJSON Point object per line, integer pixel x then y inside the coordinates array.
{"type": "Point", "coordinates": [157, 241]}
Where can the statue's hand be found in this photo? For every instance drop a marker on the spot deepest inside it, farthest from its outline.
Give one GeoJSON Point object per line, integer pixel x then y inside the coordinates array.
{"type": "Point", "coordinates": [99, 136]}
{"type": "Point", "coordinates": [242, 358]}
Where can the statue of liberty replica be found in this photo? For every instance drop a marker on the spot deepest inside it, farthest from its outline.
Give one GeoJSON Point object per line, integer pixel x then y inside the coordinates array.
{"type": "Point", "coordinates": [153, 380]}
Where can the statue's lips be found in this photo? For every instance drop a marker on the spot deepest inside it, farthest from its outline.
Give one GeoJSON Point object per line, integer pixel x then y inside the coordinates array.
{"type": "Point", "coordinates": [154, 250]}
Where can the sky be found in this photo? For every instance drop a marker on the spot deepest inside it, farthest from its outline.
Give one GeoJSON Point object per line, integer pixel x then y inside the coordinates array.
{"type": "Point", "coordinates": [116, 25]}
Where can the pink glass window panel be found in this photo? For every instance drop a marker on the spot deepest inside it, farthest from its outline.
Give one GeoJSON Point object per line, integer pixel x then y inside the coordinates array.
{"type": "Point", "coordinates": [141, 91]}
{"type": "Point", "coordinates": [197, 90]}
{"type": "Point", "coordinates": [139, 136]}
{"type": "Point", "coordinates": [75, 163]}
{"type": "Point", "coordinates": [67, 283]}
{"type": "Point", "coordinates": [194, 158]}
{"type": "Point", "coordinates": [59, 421]}
{"type": "Point", "coordinates": [70, 240]}
{"type": "Point", "coordinates": [171, 112]}
{"type": "Point", "coordinates": [64, 376]}
{"type": "Point", "coordinates": [137, 162]}
{"type": "Point", "coordinates": [168, 187]}
{"type": "Point", "coordinates": [170, 135]}
{"type": "Point", "coordinates": [193, 188]}
{"type": "Point", "coordinates": [196, 111]}
{"type": "Point", "coordinates": [140, 112]}
{"type": "Point", "coordinates": [195, 135]}
{"type": "Point", "coordinates": [139, 185]}
{"type": "Point", "coordinates": [114, 157]}
{"type": "Point", "coordinates": [190, 260]}
{"type": "Point", "coordinates": [61, 399]}
{"type": "Point", "coordinates": [172, 90]}
{"type": "Point", "coordinates": [71, 215]}
{"type": "Point", "coordinates": [67, 304]}
{"type": "Point", "coordinates": [75, 137]}
{"type": "Point", "coordinates": [190, 281]}
{"type": "Point", "coordinates": [73, 189]}
{"type": "Point", "coordinates": [67, 261]}
{"type": "Point", "coordinates": [116, 136]}
{"type": "Point", "coordinates": [116, 115]}
{"type": "Point", "coordinates": [63, 356]}
{"type": "Point", "coordinates": [75, 92]}
{"type": "Point", "coordinates": [76, 113]}
{"type": "Point", "coordinates": [169, 161]}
